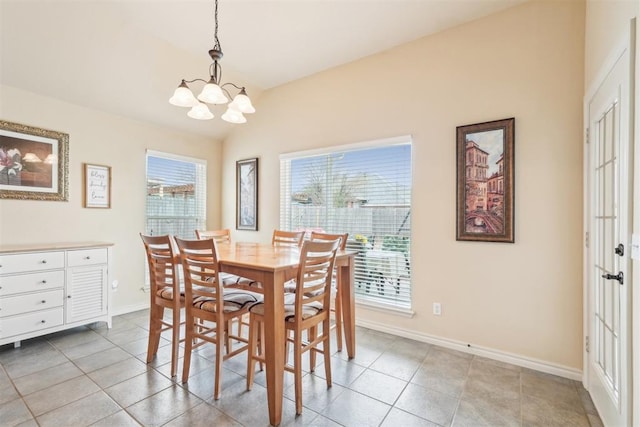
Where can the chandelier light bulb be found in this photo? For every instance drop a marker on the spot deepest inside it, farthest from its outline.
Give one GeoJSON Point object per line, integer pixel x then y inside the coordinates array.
{"type": "Point", "coordinates": [233, 116]}
{"type": "Point", "coordinates": [242, 103]}
{"type": "Point", "coordinates": [200, 112]}
{"type": "Point", "coordinates": [183, 97]}
{"type": "Point", "coordinates": [212, 94]}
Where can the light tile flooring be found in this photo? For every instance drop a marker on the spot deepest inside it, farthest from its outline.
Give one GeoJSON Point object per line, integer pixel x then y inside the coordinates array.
{"type": "Point", "coordinates": [95, 376]}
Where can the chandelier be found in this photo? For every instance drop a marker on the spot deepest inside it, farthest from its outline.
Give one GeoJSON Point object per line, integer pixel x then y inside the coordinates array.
{"type": "Point", "coordinates": [214, 91]}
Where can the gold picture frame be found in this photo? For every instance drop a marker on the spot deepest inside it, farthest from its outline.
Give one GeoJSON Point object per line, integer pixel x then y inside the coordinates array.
{"type": "Point", "coordinates": [485, 181]}
{"type": "Point", "coordinates": [34, 163]}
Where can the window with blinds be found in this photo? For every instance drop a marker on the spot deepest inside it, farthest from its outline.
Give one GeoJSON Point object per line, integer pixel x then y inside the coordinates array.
{"type": "Point", "coordinates": [176, 195]}
{"type": "Point", "coordinates": [364, 190]}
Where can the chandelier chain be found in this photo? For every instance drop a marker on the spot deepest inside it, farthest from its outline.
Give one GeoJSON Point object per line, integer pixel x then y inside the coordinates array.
{"type": "Point", "coordinates": [216, 44]}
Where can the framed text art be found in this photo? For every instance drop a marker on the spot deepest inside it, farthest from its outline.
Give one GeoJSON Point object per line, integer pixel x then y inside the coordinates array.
{"type": "Point", "coordinates": [247, 194]}
{"type": "Point", "coordinates": [33, 163]}
{"type": "Point", "coordinates": [485, 181]}
{"type": "Point", "coordinates": [97, 186]}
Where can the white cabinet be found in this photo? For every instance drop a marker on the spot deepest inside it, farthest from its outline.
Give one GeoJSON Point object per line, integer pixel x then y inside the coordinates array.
{"type": "Point", "coordinates": [44, 289]}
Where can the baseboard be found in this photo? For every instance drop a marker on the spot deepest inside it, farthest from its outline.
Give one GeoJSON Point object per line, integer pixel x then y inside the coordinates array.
{"type": "Point", "coordinates": [514, 359]}
{"type": "Point", "coordinates": [130, 308]}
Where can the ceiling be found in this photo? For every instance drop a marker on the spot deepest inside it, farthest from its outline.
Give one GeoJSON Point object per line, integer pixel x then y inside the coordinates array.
{"type": "Point", "coordinates": [127, 57]}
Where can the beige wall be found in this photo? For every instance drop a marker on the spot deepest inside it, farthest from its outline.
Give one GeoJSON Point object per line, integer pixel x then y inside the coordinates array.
{"type": "Point", "coordinates": [527, 62]}
{"type": "Point", "coordinates": [101, 138]}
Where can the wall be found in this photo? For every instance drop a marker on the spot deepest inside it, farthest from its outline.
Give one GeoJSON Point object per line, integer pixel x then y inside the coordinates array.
{"type": "Point", "coordinates": [526, 62]}
{"type": "Point", "coordinates": [101, 138]}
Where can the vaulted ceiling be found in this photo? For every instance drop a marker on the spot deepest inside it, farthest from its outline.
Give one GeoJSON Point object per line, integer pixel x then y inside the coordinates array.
{"type": "Point", "coordinates": [127, 57]}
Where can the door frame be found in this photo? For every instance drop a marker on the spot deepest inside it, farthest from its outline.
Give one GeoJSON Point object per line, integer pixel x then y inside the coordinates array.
{"type": "Point", "coordinates": [626, 43]}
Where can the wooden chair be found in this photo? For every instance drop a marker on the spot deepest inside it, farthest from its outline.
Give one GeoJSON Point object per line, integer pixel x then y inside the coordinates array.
{"type": "Point", "coordinates": [337, 301]}
{"type": "Point", "coordinates": [220, 236]}
{"type": "Point", "coordinates": [211, 307]}
{"type": "Point", "coordinates": [287, 238]}
{"type": "Point", "coordinates": [165, 293]}
{"type": "Point", "coordinates": [305, 310]}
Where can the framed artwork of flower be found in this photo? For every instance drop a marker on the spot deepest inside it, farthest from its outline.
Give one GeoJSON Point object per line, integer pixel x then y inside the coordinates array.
{"type": "Point", "coordinates": [33, 163]}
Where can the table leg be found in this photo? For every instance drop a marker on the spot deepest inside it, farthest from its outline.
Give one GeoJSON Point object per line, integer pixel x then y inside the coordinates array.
{"type": "Point", "coordinates": [274, 344]}
{"type": "Point", "coordinates": [348, 306]}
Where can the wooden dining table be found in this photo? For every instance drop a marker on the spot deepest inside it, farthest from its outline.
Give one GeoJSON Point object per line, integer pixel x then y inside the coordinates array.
{"type": "Point", "coordinates": [273, 266]}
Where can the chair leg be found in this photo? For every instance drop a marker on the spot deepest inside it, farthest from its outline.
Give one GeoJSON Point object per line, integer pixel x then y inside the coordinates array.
{"type": "Point", "coordinates": [297, 369]}
{"type": "Point", "coordinates": [254, 331]}
{"type": "Point", "coordinates": [175, 341]}
{"type": "Point", "coordinates": [219, 356]}
{"type": "Point", "coordinates": [312, 333]}
{"type": "Point", "coordinates": [326, 350]}
{"type": "Point", "coordinates": [227, 335]}
{"type": "Point", "coordinates": [189, 328]}
{"type": "Point", "coordinates": [338, 316]}
{"type": "Point", "coordinates": [155, 324]}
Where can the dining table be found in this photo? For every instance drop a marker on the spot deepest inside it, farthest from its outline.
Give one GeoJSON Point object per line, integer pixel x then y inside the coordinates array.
{"type": "Point", "coordinates": [273, 266]}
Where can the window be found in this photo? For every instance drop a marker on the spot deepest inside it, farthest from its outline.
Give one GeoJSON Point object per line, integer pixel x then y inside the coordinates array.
{"type": "Point", "coordinates": [365, 190]}
{"type": "Point", "coordinates": [176, 195]}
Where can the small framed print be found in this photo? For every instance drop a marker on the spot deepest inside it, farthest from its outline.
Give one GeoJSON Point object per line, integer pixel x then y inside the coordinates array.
{"type": "Point", "coordinates": [247, 194]}
{"type": "Point", "coordinates": [97, 186]}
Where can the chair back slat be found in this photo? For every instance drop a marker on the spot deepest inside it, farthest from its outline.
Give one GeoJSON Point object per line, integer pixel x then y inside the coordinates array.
{"type": "Point", "coordinates": [287, 238]}
{"type": "Point", "coordinates": [220, 236]}
{"type": "Point", "coordinates": [315, 235]}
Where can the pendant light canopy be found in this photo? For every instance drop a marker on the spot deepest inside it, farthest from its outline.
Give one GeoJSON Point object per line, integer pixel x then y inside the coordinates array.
{"type": "Point", "coordinates": [214, 91]}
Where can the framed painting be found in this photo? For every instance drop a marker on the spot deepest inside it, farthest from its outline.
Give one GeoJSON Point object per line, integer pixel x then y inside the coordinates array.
{"type": "Point", "coordinates": [485, 193]}
{"type": "Point", "coordinates": [33, 163]}
{"type": "Point", "coordinates": [247, 194]}
{"type": "Point", "coordinates": [97, 186]}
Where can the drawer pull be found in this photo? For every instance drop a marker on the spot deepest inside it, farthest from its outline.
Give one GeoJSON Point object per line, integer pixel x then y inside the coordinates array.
{"type": "Point", "coordinates": [87, 257]}
{"type": "Point", "coordinates": [68, 296]}
{"type": "Point", "coordinates": [43, 321]}
{"type": "Point", "coordinates": [44, 301]}
{"type": "Point", "coordinates": [43, 282]}
{"type": "Point", "coordinates": [44, 261]}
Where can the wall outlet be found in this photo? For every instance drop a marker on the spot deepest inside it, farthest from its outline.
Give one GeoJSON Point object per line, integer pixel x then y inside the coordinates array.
{"type": "Point", "coordinates": [437, 309]}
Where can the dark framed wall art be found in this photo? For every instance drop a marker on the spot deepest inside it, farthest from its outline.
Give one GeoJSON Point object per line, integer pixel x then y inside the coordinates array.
{"type": "Point", "coordinates": [485, 183]}
{"type": "Point", "coordinates": [247, 194]}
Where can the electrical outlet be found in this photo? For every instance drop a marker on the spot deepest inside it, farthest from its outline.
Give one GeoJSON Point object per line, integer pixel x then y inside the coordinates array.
{"type": "Point", "coordinates": [437, 309]}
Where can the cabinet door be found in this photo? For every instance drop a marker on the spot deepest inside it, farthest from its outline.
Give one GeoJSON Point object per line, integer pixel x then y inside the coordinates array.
{"type": "Point", "coordinates": [86, 293]}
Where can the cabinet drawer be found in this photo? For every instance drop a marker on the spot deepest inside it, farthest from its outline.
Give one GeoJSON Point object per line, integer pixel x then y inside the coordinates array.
{"type": "Point", "coordinates": [20, 283]}
{"type": "Point", "coordinates": [25, 323]}
{"type": "Point", "coordinates": [26, 303]}
{"type": "Point", "coordinates": [86, 257]}
{"type": "Point", "coordinates": [35, 261]}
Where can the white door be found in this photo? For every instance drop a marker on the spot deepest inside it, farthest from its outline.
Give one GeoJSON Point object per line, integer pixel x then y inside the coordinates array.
{"type": "Point", "coordinates": [608, 211]}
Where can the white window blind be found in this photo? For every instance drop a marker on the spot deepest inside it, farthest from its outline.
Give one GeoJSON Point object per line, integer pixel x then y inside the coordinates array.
{"type": "Point", "coordinates": [176, 194]}
{"type": "Point", "coordinates": [364, 190]}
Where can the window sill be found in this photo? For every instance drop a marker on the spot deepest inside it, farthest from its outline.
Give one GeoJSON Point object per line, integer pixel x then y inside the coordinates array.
{"type": "Point", "coordinates": [386, 308]}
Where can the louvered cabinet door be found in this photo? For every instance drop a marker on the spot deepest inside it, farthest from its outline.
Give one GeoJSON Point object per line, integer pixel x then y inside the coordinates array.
{"type": "Point", "coordinates": [86, 293]}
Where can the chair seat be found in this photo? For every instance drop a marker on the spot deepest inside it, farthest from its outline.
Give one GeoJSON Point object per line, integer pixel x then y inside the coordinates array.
{"type": "Point", "coordinates": [167, 293]}
{"type": "Point", "coordinates": [228, 279]}
{"type": "Point", "coordinates": [233, 301]}
{"type": "Point", "coordinates": [309, 310]}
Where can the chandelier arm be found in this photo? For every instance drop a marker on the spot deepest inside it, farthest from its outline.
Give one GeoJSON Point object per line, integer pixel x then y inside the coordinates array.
{"type": "Point", "coordinates": [194, 80]}
{"type": "Point", "coordinates": [234, 85]}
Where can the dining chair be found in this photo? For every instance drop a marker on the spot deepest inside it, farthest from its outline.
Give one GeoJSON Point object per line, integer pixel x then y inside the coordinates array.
{"type": "Point", "coordinates": [337, 298]}
{"type": "Point", "coordinates": [208, 302]}
{"type": "Point", "coordinates": [304, 311]}
{"type": "Point", "coordinates": [165, 294]}
{"type": "Point", "coordinates": [220, 236]}
{"type": "Point", "coordinates": [287, 238]}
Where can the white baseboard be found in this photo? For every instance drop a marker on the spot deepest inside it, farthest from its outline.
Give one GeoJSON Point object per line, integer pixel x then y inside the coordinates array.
{"type": "Point", "coordinates": [130, 308]}
{"type": "Point", "coordinates": [514, 359]}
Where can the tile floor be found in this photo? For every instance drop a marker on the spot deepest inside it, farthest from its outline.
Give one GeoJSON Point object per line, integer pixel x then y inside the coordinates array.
{"type": "Point", "coordinates": [96, 376]}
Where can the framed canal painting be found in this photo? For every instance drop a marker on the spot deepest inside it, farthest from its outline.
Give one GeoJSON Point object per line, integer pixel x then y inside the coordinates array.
{"type": "Point", "coordinates": [485, 198]}
{"type": "Point", "coordinates": [33, 163]}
